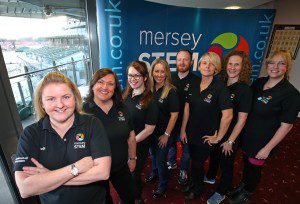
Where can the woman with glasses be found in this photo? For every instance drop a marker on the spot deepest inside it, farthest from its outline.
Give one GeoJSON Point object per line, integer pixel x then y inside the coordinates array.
{"type": "Point", "coordinates": [104, 101]}
{"type": "Point", "coordinates": [236, 72]}
{"type": "Point", "coordinates": [139, 100]}
{"type": "Point", "coordinates": [64, 155]}
{"type": "Point", "coordinates": [276, 103]}
{"type": "Point", "coordinates": [206, 118]}
{"type": "Point", "coordinates": [167, 101]}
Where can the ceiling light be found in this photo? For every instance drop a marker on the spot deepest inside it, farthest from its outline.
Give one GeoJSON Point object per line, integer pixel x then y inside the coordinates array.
{"type": "Point", "coordinates": [232, 7]}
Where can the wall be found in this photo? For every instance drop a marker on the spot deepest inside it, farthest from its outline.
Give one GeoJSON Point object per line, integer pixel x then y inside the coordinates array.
{"type": "Point", "coordinates": [287, 12]}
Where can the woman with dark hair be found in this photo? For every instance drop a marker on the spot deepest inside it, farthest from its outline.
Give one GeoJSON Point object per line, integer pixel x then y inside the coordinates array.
{"type": "Point", "coordinates": [206, 118]}
{"type": "Point", "coordinates": [104, 102]}
{"type": "Point", "coordinates": [276, 104]}
{"type": "Point", "coordinates": [236, 72]}
{"type": "Point", "coordinates": [64, 155]}
{"type": "Point", "coordinates": [139, 101]}
{"type": "Point", "coordinates": [167, 102]}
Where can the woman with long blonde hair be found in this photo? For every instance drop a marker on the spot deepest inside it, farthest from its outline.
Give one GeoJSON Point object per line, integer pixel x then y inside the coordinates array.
{"type": "Point", "coordinates": [167, 101]}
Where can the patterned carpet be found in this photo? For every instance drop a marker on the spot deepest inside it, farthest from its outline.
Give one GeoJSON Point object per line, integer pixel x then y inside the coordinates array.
{"type": "Point", "coordinates": [280, 180]}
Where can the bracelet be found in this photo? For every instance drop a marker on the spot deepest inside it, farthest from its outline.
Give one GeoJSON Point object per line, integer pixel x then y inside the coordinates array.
{"type": "Point", "coordinates": [167, 134]}
{"type": "Point", "coordinates": [133, 158]}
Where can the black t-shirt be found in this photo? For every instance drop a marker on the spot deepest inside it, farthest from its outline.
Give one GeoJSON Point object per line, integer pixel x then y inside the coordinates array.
{"type": "Point", "coordinates": [205, 109]}
{"type": "Point", "coordinates": [241, 97]}
{"type": "Point", "coordinates": [269, 108]}
{"type": "Point", "coordinates": [182, 88]}
{"type": "Point", "coordinates": [118, 126]}
{"type": "Point", "coordinates": [141, 116]}
{"type": "Point", "coordinates": [165, 106]}
{"type": "Point", "coordinates": [87, 137]}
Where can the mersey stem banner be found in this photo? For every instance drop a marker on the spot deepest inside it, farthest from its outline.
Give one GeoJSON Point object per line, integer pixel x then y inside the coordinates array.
{"type": "Point", "coordinates": [139, 30]}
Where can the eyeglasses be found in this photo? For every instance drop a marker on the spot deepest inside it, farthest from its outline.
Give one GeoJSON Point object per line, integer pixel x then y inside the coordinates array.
{"type": "Point", "coordinates": [273, 64]}
{"type": "Point", "coordinates": [134, 76]}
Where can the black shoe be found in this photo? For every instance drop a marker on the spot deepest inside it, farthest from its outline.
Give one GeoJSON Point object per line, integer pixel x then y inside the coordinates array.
{"type": "Point", "coordinates": [138, 201]}
{"type": "Point", "coordinates": [242, 198]}
{"type": "Point", "coordinates": [192, 195]}
{"type": "Point", "coordinates": [158, 193]}
{"type": "Point", "coordinates": [150, 178]}
{"type": "Point", "coordinates": [236, 191]}
{"type": "Point", "coordinates": [187, 188]}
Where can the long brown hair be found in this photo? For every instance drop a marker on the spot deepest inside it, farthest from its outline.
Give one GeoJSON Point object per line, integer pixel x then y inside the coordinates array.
{"type": "Point", "coordinates": [141, 67]}
{"type": "Point", "coordinates": [168, 81]}
{"type": "Point", "coordinates": [117, 96]}
{"type": "Point", "coordinates": [55, 78]}
{"type": "Point", "coordinates": [246, 66]}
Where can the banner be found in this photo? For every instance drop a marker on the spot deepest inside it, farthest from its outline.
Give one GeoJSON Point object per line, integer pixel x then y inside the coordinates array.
{"type": "Point", "coordinates": [141, 30]}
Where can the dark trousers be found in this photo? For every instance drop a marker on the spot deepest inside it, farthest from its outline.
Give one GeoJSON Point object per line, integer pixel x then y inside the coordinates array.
{"type": "Point", "coordinates": [185, 156]}
{"type": "Point", "coordinates": [142, 149]}
{"type": "Point", "coordinates": [123, 183]}
{"type": "Point", "coordinates": [217, 158]}
{"type": "Point", "coordinates": [251, 175]}
{"type": "Point", "coordinates": [159, 161]}
{"type": "Point", "coordinates": [199, 153]}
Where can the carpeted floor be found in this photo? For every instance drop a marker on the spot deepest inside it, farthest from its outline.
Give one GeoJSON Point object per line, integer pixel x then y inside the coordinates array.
{"type": "Point", "coordinates": [280, 180]}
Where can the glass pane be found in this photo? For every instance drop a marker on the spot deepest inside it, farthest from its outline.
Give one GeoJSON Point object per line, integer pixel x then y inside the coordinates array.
{"type": "Point", "coordinates": [45, 36]}
{"type": "Point", "coordinates": [5, 195]}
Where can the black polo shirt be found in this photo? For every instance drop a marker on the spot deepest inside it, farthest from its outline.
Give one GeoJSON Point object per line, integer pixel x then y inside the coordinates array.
{"type": "Point", "coordinates": [269, 108]}
{"type": "Point", "coordinates": [165, 107]}
{"type": "Point", "coordinates": [182, 88]}
{"type": "Point", "coordinates": [241, 97]}
{"type": "Point", "coordinates": [86, 137]}
{"type": "Point", "coordinates": [205, 109]}
{"type": "Point", "coordinates": [118, 126]}
{"type": "Point", "coordinates": [141, 116]}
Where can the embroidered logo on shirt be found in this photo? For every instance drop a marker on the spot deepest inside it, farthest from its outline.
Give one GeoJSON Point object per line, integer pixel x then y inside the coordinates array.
{"type": "Point", "coordinates": [186, 88]}
{"type": "Point", "coordinates": [21, 159]}
{"type": "Point", "coordinates": [121, 116]}
{"type": "Point", "coordinates": [139, 106]}
{"type": "Point", "coordinates": [79, 137]}
{"type": "Point", "coordinates": [208, 98]}
{"type": "Point", "coordinates": [161, 100]}
{"type": "Point", "coordinates": [43, 148]}
{"type": "Point", "coordinates": [264, 99]}
{"type": "Point", "coordinates": [232, 96]}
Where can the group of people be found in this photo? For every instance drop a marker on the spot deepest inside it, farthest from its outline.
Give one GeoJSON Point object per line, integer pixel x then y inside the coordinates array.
{"type": "Point", "coordinates": [76, 148]}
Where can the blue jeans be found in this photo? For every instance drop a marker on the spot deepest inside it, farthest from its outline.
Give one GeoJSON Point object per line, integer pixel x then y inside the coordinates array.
{"type": "Point", "coordinates": [185, 157]}
{"type": "Point", "coordinates": [159, 162]}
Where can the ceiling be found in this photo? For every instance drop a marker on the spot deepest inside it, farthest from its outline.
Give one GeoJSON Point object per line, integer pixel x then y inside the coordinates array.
{"type": "Point", "coordinates": [219, 4]}
{"type": "Point", "coordinates": [42, 8]}
{"type": "Point", "coordinates": [76, 8]}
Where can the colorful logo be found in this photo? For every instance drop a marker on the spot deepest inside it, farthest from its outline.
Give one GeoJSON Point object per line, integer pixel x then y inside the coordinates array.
{"type": "Point", "coordinates": [120, 114]}
{"type": "Point", "coordinates": [228, 41]}
{"type": "Point", "coordinates": [208, 98]}
{"type": "Point", "coordinates": [264, 99]}
{"type": "Point", "coordinates": [79, 137]}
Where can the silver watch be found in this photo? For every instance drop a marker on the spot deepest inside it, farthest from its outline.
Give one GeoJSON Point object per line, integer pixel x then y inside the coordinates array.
{"type": "Point", "coordinates": [74, 170]}
{"type": "Point", "coordinates": [230, 142]}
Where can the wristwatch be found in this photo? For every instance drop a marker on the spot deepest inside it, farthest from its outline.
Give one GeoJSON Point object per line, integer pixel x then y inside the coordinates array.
{"type": "Point", "coordinates": [132, 158]}
{"type": "Point", "coordinates": [74, 170]}
{"type": "Point", "coordinates": [230, 142]}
